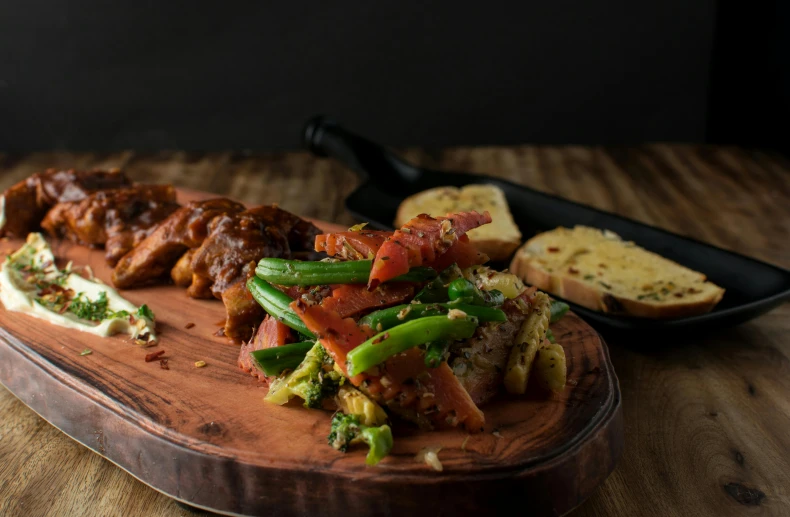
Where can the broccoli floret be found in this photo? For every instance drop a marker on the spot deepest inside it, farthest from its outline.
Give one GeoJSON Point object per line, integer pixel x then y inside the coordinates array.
{"type": "Point", "coordinates": [347, 430]}
{"type": "Point", "coordinates": [312, 381]}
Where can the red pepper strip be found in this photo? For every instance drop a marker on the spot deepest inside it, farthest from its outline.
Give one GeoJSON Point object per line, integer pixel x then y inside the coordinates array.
{"type": "Point", "coordinates": [153, 356]}
{"type": "Point", "coordinates": [434, 392]}
{"type": "Point", "coordinates": [338, 335]}
{"type": "Point", "coordinates": [351, 245]}
{"type": "Point", "coordinates": [271, 333]}
{"type": "Point", "coordinates": [421, 240]}
{"type": "Point", "coordinates": [352, 299]}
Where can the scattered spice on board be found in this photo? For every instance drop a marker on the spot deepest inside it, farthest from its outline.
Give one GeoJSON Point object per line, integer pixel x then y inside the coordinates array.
{"type": "Point", "coordinates": [189, 325]}
{"type": "Point", "coordinates": [153, 356]}
{"type": "Point", "coordinates": [163, 364]}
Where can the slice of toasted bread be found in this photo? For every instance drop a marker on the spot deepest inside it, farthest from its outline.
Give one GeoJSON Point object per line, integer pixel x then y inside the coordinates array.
{"type": "Point", "coordinates": [498, 240]}
{"type": "Point", "coordinates": [598, 270]}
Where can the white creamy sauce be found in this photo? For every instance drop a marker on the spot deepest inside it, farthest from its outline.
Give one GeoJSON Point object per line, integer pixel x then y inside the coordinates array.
{"type": "Point", "coordinates": [19, 295]}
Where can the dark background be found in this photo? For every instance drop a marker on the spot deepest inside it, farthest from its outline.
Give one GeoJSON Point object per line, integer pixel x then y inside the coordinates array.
{"type": "Point", "coordinates": [93, 75]}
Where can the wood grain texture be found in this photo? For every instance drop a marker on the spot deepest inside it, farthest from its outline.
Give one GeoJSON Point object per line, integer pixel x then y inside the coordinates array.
{"type": "Point", "coordinates": [706, 419]}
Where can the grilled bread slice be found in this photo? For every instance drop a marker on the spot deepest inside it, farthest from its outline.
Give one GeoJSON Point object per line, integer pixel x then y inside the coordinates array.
{"type": "Point", "coordinates": [598, 270]}
{"type": "Point", "coordinates": [498, 240]}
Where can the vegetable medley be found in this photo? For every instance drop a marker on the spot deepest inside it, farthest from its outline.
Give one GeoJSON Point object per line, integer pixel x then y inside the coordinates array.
{"type": "Point", "coordinates": [408, 323]}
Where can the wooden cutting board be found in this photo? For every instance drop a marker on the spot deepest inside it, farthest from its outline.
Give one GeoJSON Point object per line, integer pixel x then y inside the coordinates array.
{"type": "Point", "coordinates": [205, 437]}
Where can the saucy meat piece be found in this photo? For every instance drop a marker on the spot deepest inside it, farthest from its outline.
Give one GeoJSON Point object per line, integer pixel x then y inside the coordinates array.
{"type": "Point", "coordinates": [24, 205]}
{"type": "Point", "coordinates": [182, 271]}
{"type": "Point", "coordinates": [236, 243]}
{"type": "Point", "coordinates": [227, 258]}
{"type": "Point", "coordinates": [156, 255]}
{"type": "Point", "coordinates": [242, 312]}
{"type": "Point", "coordinates": [479, 362]}
{"type": "Point", "coordinates": [118, 219]}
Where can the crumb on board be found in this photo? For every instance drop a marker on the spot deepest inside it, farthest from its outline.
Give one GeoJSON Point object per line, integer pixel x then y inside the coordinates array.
{"type": "Point", "coordinates": [430, 455]}
{"type": "Point", "coordinates": [189, 325]}
{"type": "Point", "coordinates": [163, 364]}
{"type": "Point", "coordinates": [200, 364]}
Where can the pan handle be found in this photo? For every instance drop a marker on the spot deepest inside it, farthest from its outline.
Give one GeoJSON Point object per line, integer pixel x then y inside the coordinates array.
{"type": "Point", "coordinates": [371, 161]}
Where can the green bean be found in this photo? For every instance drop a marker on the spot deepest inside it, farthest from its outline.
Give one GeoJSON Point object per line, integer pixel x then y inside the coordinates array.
{"type": "Point", "coordinates": [388, 318]}
{"type": "Point", "coordinates": [275, 360]}
{"type": "Point", "coordinates": [436, 290]}
{"type": "Point", "coordinates": [398, 339]}
{"type": "Point", "coordinates": [558, 310]}
{"type": "Point", "coordinates": [298, 272]}
{"type": "Point", "coordinates": [464, 291]}
{"type": "Point", "coordinates": [434, 353]}
{"type": "Point", "coordinates": [276, 303]}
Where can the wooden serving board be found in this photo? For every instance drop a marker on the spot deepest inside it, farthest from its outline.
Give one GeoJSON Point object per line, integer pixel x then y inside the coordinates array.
{"type": "Point", "coordinates": [205, 437]}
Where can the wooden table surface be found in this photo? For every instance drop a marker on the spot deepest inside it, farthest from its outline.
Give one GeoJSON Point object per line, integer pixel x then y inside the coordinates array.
{"type": "Point", "coordinates": [707, 420]}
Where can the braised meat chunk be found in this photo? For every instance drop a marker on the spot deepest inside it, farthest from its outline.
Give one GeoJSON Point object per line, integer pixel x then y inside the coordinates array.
{"type": "Point", "coordinates": [156, 255]}
{"type": "Point", "coordinates": [28, 201]}
{"type": "Point", "coordinates": [235, 244]}
{"type": "Point", "coordinates": [243, 313]}
{"type": "Point", "coordinates": [118, 219]}
{"type": "Point", "coordinates": [182, 271]}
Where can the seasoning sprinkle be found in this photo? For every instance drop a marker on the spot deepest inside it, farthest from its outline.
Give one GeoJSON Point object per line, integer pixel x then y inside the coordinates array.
{"type": "Point", "coordinates": [153, 356]}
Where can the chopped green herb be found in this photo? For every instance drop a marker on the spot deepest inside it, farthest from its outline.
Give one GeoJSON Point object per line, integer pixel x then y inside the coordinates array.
{"type": "Point", "coordinates": [605, 284]}
{"type": "Point", "coordinates": [550, 336]}
{"type": "Point", "coordinates": [87, 351]}
{"type": "Point", "coordinates": [86, 309]}
{"type": "Point", "coordinates": [589, 277]}
{"type": "Point", "coordinates": [145, 312]}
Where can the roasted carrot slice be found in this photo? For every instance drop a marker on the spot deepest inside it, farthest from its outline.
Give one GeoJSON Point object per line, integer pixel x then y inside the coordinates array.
{"type": "Point", "coordinates": [351, 245]}
{"type": "Point", "coordinates": [463, 253]}
{"type": "Point", "coordinates": [421, 240]}
{"type": "Point", "coordinates": [433, 392]}
{"type": "Point", "coordinates": [271, 333]}
{"type": "Point", "coordinates": [338, 335]}
{"type": "Point", "coordinates": [352, 299]}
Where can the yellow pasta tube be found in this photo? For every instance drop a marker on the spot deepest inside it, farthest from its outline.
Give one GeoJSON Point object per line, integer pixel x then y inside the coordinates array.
{"type": "Point", "coordinates": [549, 367]}
{"type": "Point", "coordinates": [530, 338]}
